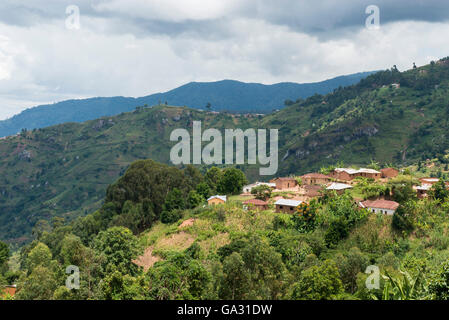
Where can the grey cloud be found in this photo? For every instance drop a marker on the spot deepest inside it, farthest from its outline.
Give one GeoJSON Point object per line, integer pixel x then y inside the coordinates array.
{"type": "Point", "coordinates": [320, 18]}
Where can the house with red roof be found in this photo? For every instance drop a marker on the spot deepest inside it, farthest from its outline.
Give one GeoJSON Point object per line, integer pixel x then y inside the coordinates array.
{"type": "Point", "coordinates": [255, 204]}
{"type": "Point", "coordinates": [380, 206]}
{"type": "Point", "coordinates": [315, 178]}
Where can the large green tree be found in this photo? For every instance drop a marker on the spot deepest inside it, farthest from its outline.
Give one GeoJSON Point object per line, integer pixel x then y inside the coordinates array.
{"type": "Point", "coordinates": [232, 181]}
{"type": "Point", "coordinates": [318, 283]}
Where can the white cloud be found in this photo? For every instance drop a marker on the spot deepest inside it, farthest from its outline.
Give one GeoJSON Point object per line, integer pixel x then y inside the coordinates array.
{"type": "Point", "coordinates": [113, 55]}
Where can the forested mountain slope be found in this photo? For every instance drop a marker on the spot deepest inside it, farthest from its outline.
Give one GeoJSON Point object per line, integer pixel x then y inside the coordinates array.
{"type": "Point", "coordinates": [64, 170]}
{"type": "Point", "coordinates": [229, 95]}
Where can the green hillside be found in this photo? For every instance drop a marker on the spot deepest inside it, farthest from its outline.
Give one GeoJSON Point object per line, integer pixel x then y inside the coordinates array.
{"type": "Point", "coordinates": [64, 170]}
{"type": "Point", "coordinates": [162, 241]}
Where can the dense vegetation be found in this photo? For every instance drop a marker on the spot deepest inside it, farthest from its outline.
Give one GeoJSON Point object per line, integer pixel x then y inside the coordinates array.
{"type": "Point", "coordinates": [372, 120]}
{"type": "Point", "coordinates": [319, 252]}
{"type": "Point", "coordinates": [232, 96]}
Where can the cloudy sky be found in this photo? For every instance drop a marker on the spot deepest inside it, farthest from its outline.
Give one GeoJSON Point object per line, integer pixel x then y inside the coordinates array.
{"type": "Point", "coordinates": [139, 47]}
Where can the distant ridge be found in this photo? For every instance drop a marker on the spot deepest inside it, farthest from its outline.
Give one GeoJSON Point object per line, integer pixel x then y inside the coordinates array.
{"type": "Point", "coordinates": [226, 95]}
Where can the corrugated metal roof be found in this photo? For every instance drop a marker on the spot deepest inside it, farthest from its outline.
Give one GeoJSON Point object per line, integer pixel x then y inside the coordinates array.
{"type": "Point", "coordinates": [338, 186]}
{"type": "Point", "coordinates": [288, 202]}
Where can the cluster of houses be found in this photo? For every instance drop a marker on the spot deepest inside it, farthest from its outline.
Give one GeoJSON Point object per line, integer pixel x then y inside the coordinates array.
{"type": "Point", "coordinates": [426, 185]}
{"type": "Point", "coordinates": [312, 184]}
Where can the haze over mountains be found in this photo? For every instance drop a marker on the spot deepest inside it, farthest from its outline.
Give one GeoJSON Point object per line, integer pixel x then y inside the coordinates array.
{"type": "Point", "coordinates": [226, 95]}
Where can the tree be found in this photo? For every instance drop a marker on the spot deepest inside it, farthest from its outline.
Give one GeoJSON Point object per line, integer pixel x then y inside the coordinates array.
{"type": "Point", "coordinates": [251, 270]}
{"type": "Point", "coordinates": [203, 189]}
{"type": "Point", "coordinates": [318, 283]}
{"type": "Point", "coordinates": [262, 192]}
{"type": "Point", "coordinates": [439, 287]}
{"type": "Point", "coordinates": [212, 178]}
{"type": "Point", "coordinates": [305, 216]}
{"type": "Point", "coordinates": [439, 191]}
{"type": "Point", "coordinates": [350, 264]}
{"type": "Point", "coordinates": [4, 253]}
{"type": "Point", "coordinates": [119, 247]}
{"type": "Point", "coordinates": [232, 181]}
{"type": "Point", "coordinates": [236, 279]}
{"type": "Point", "coordinates": [41, 279]}
{"type": "Point", "coordinates": [73, 252]}
{"type": "Point", "coordinates": [195, 199]}
{"type": "Point", "coordinates": [40, 255]}
{"type": "Point", "coordinates": [402, 189]}
{"type": "Point", "coordinates": [181, 276]}
{"type": "Point", "coordinates": [403, 218]}
{"type": "Point", "coordinates": [39, 285]}
{"type": "Point", "coordinates": [174, 200]}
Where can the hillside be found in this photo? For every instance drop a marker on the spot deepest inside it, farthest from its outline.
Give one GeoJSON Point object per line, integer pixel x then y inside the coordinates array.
{"type": "Point", "coordinates": [372, 120]}
{"type": "Point", "coordinates": [150, 241]}
{"type": "Point", "coordinates": [64, 170]}
{"type": "Point", "coordinates": [233, 96]}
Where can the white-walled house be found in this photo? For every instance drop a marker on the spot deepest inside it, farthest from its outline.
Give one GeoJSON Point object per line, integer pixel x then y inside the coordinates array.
{"type": "Point", "coordinates": [380, 206]}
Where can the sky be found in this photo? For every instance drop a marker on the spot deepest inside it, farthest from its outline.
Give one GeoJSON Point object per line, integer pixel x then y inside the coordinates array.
{"type": "Point", "coordinates": [140, 47]}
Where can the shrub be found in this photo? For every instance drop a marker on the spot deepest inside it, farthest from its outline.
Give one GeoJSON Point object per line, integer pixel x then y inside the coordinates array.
{"type": "Point", "coordinates": [173, 216]}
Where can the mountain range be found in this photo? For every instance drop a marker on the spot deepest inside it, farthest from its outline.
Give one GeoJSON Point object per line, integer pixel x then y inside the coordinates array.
{"type": "Point", "coordinates": [226, 95]}
{"type": "Point", "coordinates": [390, 117]}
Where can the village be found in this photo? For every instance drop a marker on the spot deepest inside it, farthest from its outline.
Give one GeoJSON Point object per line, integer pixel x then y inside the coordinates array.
{"type": "Point", "coordinates": [288, 193]}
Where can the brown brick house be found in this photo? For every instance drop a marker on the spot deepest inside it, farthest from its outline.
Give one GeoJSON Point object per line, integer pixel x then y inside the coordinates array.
{"type": "Point", "coordinates": [315, 178]}
{"type": "Point", "coordinates": [285, 183]}
{"type": "Point", "coordinates": [287, 205]}
{"type": "Point", "coordinates": [256, 204]}
{"type": "Point", "coordinates": [389, 172]}
{"type": "Point", "coordinates": [347, 174]}
{"type": "Point", "coordinates": [344, 174]}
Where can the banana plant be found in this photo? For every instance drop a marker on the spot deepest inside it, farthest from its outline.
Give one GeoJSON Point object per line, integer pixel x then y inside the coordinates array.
{"type": "Point", "coordinates": [402, 288]}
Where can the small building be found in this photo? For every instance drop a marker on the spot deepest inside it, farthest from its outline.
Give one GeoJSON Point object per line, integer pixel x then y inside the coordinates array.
{"type": "Point", "coordinates": [347, 174]}
{"type": "Point", "coordinates": [344, 174]}
{"type": "Point", "coordinates": [216, 200]}
{"type": "Point", "coordinates": [380, 206]}
{"type": "Point", "coordinates": [389, 173]}
{"type": "Point", "coordinates": [249, 188]}
{"type": "Point", "coordinates": [284, 183]}
{"type": "Point", "coordinates": [287, 205]}
{"type": "Point", "coordinates": [422, 191]}
{"type": "Point", "coordinates": [369, 173]}
{"type": "Point", "coordinates": [256, 204]}
{"type": "Point", "coordinates": [315, 178]}
{"type": "Point", "coordinates": [339, 187]}
{"type": "Point", "coordinates": [396, 85]}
